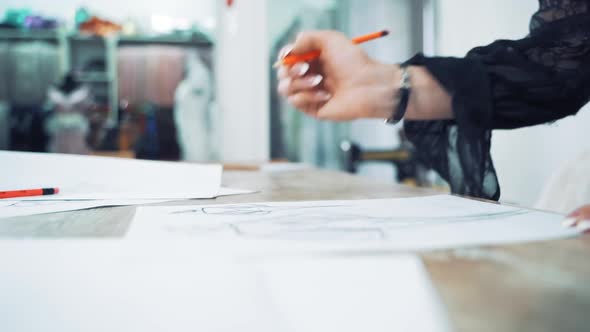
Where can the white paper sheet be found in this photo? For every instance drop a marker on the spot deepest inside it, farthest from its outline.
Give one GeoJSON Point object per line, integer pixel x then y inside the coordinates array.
{"type": "Point", "coordinates": [233, 192]}
{"type": "Point", "coordinates": [387, 293]}
{"type": "Point", "coordinates": [95, 288]}
{"type": "Point", "coordinates": [397, 224]}
{"type": "Point", "coordinates": [19, 208]}
{"type": "Point", "coordinates": [86, 177]}
{"type": "Point", "coordinates": [69, 286]}
{"type": "Point", "coordinates": [26, 208]}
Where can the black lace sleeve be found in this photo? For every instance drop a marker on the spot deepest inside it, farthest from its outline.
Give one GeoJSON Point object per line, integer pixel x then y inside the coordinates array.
{"type": "Point", "coordinates": [507, 84]}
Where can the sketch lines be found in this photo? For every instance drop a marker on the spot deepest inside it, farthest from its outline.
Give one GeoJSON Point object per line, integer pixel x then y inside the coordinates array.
{"type": "Point", "coordinates": [337, 221]}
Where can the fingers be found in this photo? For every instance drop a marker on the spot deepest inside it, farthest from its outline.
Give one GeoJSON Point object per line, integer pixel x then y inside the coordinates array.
{"type": "Point", "coordinates": [310, 41]}
{"type": "Point", "coordinates": [297, 70]}
{"type": "Point", "coordinates": [580, 219]}
{"type": "Point", "coordinates": [295, 79]}
{"type": "Point", "coordinates": [582, 225]}
{"type": "Point", "coordinates": [309, 100]}
{"type": "Point", "coordinates": [288, 86]}
{"type": "Point", "coordinates": [286, 50]}
{"type": "Point", "coordinates": [311, 110]}
{"type": "Point", "coordinates": [284, 86]}
{"type": "Point", "coordinates": [303, 83]}
{"type": "Point", "coordinates": [282, 72]}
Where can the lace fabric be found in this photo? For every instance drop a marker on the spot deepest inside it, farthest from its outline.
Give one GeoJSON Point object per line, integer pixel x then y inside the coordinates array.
{"type": "Point", "coordinates": [553, 10]}
{"type": "Point", "coordinates": [507, 84]}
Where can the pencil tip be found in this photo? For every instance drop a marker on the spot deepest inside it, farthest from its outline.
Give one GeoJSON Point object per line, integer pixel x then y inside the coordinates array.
{"type": "Point", "coordinates": [384, 33]}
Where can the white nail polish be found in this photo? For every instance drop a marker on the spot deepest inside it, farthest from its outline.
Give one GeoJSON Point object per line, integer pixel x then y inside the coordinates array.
{"type": "Point", "coordinates": [300, 69]}
{"type": "Point", "coordinates": [284, 85]}
{"type": "Point", "coordinates": [583, 226]}
{"type": "Point", "coordinates": [282, 72]}
{"type": "Point", "coordinates": [315, 80]}
{"type": "Point", "coordinates": [569, 222]}
{"type": "Point", "coordinates": [286, 50]}
{"type": "Point", "coordinates": [323, 95]}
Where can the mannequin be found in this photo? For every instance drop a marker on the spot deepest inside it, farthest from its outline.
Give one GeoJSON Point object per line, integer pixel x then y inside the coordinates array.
{"type": "Point", "coordinates": [192, 108]}
{"type": "Point", "coordinates": [68, 126]}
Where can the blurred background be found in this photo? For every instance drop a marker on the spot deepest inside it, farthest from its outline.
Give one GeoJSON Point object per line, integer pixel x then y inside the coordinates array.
{"type": "Point", "coordinates": [193, 80]}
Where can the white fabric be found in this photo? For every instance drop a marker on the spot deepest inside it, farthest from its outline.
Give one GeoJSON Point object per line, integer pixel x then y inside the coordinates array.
{"type": "Point", "coordinates": [569, 188]}
{"type": "Point", "coordinates": [191, 112]}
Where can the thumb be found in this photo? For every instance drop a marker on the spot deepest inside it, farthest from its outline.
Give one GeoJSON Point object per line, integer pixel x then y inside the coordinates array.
{"type": "Point", "coordinates": [310, 41]}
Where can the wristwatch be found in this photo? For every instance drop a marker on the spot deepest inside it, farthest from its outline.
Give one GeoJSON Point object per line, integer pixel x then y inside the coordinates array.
{"type": "Point", "coordinates": [402, 97]}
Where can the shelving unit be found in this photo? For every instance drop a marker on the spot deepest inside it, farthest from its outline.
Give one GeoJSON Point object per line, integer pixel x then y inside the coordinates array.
{"type": "Point", "coordinates": [195, 40]}
{"type": "Point", "coordinates": [77, 52]}
{"type": "Point", "coordinates": [19, 35]}
{"type": "Point", "coordinates": [94, 60]}
{"type": "Point", "coordinates": [57, 37]}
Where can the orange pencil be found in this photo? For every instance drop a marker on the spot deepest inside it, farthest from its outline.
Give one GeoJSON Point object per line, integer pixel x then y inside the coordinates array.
{"type": "Point", "coordinates": [28, 192]}
{"type": "Point", "coordinates": [293, 59]}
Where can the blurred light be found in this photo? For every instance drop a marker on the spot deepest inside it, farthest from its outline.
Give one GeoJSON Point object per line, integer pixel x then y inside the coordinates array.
{"type": "Point", "coordinates": [209, 23]}
{"type": "Point", "coordinates": [165, 24]}
{"type": "Point", "coordinates": [320, 4]}
{"type": "Point", "coordinates": [345, 146]}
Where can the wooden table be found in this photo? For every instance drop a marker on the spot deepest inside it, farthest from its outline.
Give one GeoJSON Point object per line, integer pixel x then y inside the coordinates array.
{"type": "Point", "coordinates": [543, 286]}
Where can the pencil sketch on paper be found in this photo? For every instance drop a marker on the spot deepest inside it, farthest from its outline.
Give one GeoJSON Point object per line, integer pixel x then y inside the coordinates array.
{"type": "Point", "coordinates": [338, 220]}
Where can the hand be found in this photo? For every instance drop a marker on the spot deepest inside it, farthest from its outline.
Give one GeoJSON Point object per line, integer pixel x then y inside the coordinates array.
{"type": "Point", "coordinates": [343, 84]}
{"type": "Point", "coordinates": [579, 219]}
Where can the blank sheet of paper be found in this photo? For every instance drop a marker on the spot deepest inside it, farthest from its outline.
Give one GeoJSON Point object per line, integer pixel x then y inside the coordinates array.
{"type": "Point", "coordinates": [89, 177]}
{"type": "Point", "coordinates": [399, 224]}
{"type": "Point", "coordinates": [94, 286]}
{"type": "Point", "coordinates": [360, 293]}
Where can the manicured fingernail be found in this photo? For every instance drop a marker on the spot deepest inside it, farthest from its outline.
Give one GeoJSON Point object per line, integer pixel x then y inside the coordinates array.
{"type": "Point", "coordinates": [284, 86]}
{"type": "Point", "coordinates": [298, 36]}
{"type": "Point", "coordinates": [300, 69]}
{"type": "Point", "coordinates": [583, 226]}
{"type": "Point", "coordinates": [569, 222]}
{"type": "Point", "coordinates": [286, 50]}
{"type": "Point", "coordinates": [323, 95]}
{"type": "Point", "coordinates": [314, 81]}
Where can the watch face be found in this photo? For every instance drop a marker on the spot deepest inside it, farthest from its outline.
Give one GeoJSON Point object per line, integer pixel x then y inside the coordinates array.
{"type": "Point", "coordinates": [405, 83]}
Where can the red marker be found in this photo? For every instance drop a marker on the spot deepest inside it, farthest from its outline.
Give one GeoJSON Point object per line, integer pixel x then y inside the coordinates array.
{"type": "Point", "coordinates": [28, 192]}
